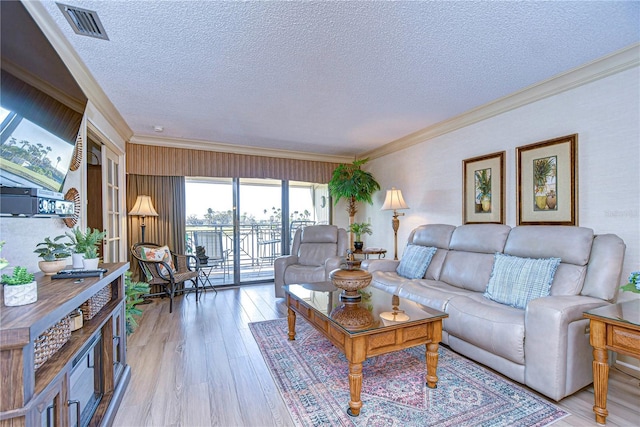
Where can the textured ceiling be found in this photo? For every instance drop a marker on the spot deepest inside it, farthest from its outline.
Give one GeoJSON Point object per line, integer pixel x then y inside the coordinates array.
{"type": "Point", "coordinates": [336, 78]}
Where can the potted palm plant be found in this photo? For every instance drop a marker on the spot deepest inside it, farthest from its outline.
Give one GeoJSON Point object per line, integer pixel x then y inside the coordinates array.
{"type": "Point", "coordinates": [19, 288]}
{"type": "Point", "coordinates": [360, 228]}
{"type": "Point", "coordinates": [54, 255]}
{"type": "Point", "coordinates": [355, 185]}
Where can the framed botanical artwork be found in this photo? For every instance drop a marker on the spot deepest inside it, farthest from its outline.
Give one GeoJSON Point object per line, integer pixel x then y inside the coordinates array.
{"type": "Point", "coordinates": [547, 182]}
{"type": "Point", "coordinates": [483, 189]}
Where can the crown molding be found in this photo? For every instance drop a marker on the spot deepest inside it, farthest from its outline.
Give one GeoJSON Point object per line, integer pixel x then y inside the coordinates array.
{"type": "Point", "coordinates": [77, 68]}
{"type": "Point", "coordinates": [616, 62]}
{"type": "Point", "coordinates": [31, 79]}
{"type": "Point", "coordinates": [195, 144]}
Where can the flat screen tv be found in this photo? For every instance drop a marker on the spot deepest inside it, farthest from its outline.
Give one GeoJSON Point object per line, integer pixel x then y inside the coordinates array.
{"type": "Point", "coordinates": [31, 156]}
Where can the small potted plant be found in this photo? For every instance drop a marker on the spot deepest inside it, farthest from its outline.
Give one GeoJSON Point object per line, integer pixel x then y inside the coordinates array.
{"type": "Point", "coordinates": [19, 288]}
{"type": "Point", "coordinates": [359, 228]}
{"type": "Point", "coordinates": [83, 240]}
{"type": "Point", "coordinates": [91, 260]}
{"type": "Point", "coordinates": [54, 255]}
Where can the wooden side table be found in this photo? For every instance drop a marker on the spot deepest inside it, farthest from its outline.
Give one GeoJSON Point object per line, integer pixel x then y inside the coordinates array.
{"type": "Point", "coordinates": [367, 252]}
{"type": "Point", "coordinates": [615, 327]}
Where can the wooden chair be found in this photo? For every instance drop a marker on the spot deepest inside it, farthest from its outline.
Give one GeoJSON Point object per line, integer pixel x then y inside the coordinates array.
{"type": "Point", "coordinates": [161, 272]}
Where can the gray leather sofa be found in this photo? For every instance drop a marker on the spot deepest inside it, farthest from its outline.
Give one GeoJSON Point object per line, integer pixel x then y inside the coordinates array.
{"type": "Point", "coordinates": [316, 251]}
{"type": "Point", "coordinates": [545, 346]}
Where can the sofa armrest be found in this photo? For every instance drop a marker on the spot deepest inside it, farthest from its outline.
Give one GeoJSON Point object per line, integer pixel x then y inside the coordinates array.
{"type": "Point", "coordinates": [556, 324]}
{"type": "Point", "coordinates": [279, 266]}
{"type": "Point", "coordinates": [372, 265]}
{"type": "Point", "coordinates": [331, 264]}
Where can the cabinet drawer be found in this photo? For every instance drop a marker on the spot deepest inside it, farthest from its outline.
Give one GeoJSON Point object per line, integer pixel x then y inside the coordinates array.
{"type": "Point", "coordinates": [624, 340]}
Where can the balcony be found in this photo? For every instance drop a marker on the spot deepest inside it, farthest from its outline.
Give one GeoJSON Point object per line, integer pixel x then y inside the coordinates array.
{"type": "Point", "coordinates": [259, 245]}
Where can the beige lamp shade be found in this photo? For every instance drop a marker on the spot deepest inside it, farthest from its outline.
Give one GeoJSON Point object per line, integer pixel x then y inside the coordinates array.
{"type": "Point", "coordinates": [143, 207]}
{"type": "Point", "coordinates": [394, 200]}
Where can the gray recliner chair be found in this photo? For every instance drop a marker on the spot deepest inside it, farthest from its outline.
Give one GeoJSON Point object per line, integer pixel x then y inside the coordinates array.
{"type": "Point", "coordinates": [316, 251]}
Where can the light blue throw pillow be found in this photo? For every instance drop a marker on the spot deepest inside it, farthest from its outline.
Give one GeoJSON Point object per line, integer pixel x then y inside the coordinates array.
{"type": "Point", "coordinates": [415, 261]}
{"type": "Point", "coordinates": [515, 281]}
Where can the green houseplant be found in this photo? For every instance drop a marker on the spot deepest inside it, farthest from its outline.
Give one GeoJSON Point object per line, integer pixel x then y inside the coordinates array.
{"type": "Point", "coordinates": [85, 243]}
{"type": "Point", "coordinates": [54, 255]}
{"type": "Point", "coordinates": [355, 185]}
{"type": "Point", "coordinates": [360, 228]}
{"type": "Point", "coordinates": [133, 296]}
{"type": "Point", "coordinates": [634, 283]}
{"type": "Point", "coordinates": [20, 288]}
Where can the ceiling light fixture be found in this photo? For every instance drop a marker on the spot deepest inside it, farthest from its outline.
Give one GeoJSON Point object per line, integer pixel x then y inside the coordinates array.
{"type": "Point", "coordinates": [158, 128]}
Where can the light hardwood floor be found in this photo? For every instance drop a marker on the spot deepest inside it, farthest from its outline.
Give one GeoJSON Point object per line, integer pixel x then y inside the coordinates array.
{"type": "Point", "coordinates": [200, 366]}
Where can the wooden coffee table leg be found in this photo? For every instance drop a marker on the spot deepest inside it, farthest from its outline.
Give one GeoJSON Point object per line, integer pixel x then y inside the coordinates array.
{"type": "Point", "coordinates": [598, 338]}
{"type": "Point", "coordinates": [291, 318]}
{"type": "Point", "coordinates": [355, 387]}
{"type": "Point", "coordinates": [432, 365]}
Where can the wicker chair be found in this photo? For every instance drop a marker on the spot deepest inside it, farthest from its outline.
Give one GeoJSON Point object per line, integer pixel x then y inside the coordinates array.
{"type": "Point", "coordinates": [160, 273]}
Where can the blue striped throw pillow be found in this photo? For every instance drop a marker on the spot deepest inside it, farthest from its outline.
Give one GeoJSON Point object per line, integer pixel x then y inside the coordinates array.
{"type": "Point", "coordinates": [415, 261]}
{"type": "Point", "coordinates": [515, 281]}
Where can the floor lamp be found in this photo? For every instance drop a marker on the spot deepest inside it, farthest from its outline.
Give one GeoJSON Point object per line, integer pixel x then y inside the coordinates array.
{"type": "Point", "coordinates": [143, 207]}
{"type": "Point", "coordinates": [394, 201]}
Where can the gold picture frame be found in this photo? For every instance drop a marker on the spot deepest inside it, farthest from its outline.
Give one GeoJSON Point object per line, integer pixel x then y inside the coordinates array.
{"type": "Point", "coordinates": [483, 183]}
{"type": "Point", "coordinates": [547, 182]}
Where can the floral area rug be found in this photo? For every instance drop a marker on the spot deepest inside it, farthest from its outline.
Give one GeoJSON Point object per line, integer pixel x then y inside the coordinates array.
{"type": "Point", "coordinates": [312, 376]}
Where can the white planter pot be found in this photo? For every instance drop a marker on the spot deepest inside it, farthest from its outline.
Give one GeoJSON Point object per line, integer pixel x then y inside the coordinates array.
{"type": "Point", "coordinates": [49, 268]}
{"type": "Point", "coordinates": [77, 259]}
{"type": "Point", "coordinates": [15, 295]}
{"type": "Point", "coordinates": [91, 264]}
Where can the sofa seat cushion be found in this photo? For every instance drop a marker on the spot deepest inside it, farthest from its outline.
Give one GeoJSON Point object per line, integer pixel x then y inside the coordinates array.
{"type": "Point", "coordinates": [494, 327]}
{"type": "Point", "coordinates": [304, 274]}
{"type": "Point", "coordinates": [388, 281]}
{"type": "Point", "coordinates": [431, 293]}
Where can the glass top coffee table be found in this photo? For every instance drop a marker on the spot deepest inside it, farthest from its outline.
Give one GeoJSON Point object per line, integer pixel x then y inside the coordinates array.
{"type": "Point", "coordinates": [379, 323]}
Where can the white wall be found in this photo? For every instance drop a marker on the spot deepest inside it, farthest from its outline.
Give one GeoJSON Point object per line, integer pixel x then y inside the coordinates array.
{"type": "Point", "coordinates": [606, 116]}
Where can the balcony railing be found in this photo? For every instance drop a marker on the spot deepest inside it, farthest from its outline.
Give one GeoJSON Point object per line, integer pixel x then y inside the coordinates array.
{"type": "Point", "coordinates": [260, 245]}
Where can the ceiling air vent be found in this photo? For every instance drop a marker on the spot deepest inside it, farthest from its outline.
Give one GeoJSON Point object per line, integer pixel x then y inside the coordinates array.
{"type": "Point", "coordinates": [84, 22]}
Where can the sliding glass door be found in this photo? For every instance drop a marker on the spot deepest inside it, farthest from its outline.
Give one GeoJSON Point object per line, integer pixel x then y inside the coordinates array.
{"type": "Point", "coordinates": [238, 227]}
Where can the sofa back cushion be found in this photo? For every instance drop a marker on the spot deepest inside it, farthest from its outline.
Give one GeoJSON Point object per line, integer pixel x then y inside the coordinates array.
{"type": "Point", "coordinates": [605, 267]}
{"type": "Point", "coordinates": [437, 236]}
{"type": "Point", "coordinates": [481, 238]}
{"type": "Point", "coordinates": [319, 234]}
{"type": "Point", "coordinates": [315, 254]}
{"type": "Point", "coordinates": [467, 270]}
{"type": "Point", "coordinates": [469, 261]}
{"type": "Point", "coordinates": [571, 244]}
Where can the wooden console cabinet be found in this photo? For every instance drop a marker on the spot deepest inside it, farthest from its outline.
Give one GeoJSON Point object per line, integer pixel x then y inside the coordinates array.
{"type": "Point", "coordinates": [42, 397]}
